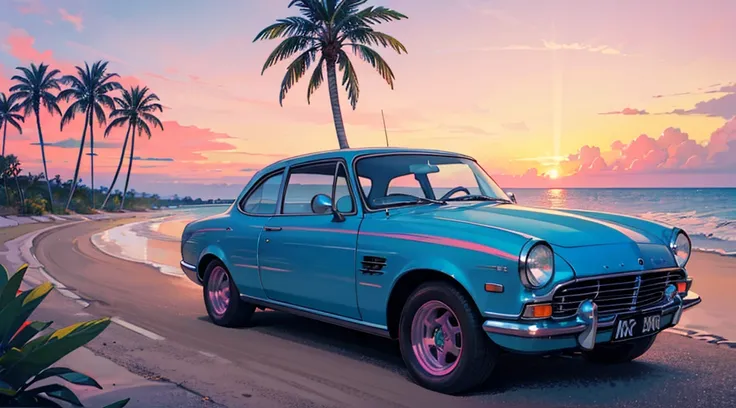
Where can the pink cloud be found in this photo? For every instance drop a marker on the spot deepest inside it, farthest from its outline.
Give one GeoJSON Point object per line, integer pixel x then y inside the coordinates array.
{"type": "Point", "coordinates": [75, 20]}
{"type": "Point", "coordinates": [627, 111]}
{"type": "Point", "coordinates": [29, 6]}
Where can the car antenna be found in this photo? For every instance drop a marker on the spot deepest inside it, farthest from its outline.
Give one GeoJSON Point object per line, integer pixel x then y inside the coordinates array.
{"type": "Point", "coordinates": [385, 132]}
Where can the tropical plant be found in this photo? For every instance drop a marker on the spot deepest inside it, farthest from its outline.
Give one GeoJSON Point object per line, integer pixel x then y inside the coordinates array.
{"type": "Point", "coordinates": [26, 353]}
{"type": "Point", "coordinates": [135, 108]}
{"type": "Point", "coordinates": [35, 88]}
{"type": "Point", "coordinates": [34, 205]}
{"type": "Point", "coordinates": [321, 34]}
{"type": "Point", "coordinates": [9, 115]}
{"type": "Point", "coordinates": [14, 171]}
{"type": "Point", "coordinates": [89, 92]}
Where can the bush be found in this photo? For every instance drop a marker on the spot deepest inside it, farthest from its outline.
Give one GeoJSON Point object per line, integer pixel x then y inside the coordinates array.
{"type": "Point", "coordinates": [35, 206]}
{"type": "Point", "coordinates": [26, 355]}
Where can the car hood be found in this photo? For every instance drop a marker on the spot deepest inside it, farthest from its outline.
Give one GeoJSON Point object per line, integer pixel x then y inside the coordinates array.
{"type": "Point", "coordinates": [558, 228]}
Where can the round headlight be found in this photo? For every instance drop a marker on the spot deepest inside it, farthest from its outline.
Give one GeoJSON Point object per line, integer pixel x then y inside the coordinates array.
{"type": "Point", "coordinates": [681, 248]}
{"type": "Point", "coordinates": [540, 266]}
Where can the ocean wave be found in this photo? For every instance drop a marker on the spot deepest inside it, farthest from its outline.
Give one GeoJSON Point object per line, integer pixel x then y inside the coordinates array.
{"type": "Point", "coordinates": [706, 225]}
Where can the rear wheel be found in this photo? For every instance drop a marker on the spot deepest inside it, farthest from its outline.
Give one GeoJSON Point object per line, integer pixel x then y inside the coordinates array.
{"type": "Point", "coordinates": [442, 341]}
{"type": "Point", "coordinates": [619, 353]}
{"type": "Point", "coordinates": [222, 298]}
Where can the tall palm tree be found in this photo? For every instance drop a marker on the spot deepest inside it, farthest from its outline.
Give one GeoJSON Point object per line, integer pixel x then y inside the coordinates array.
{"type": "Point", "coordinates": [9, 115]}
{"type": "Point", "coordinates": [89, 91]}
{"type": "Point", "coordinates": [35, 88]}
{"type": "Point", "coordinates": [323, 32]}
{"type": "Point", "coordinates": [135, 108]}
{"type": "Point", "coordinates": [4, 170]}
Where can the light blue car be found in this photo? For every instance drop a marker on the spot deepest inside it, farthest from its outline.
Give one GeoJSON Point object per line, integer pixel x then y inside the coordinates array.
{"type": "Point", "coordinates": [424, 247]}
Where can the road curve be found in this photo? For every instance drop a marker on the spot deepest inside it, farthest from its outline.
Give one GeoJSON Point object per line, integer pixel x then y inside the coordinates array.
{"type": "Point", "coordinates": [290, 361]}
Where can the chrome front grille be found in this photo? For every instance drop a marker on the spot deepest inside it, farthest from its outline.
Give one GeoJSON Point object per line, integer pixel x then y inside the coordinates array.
{"type": "Point", "coordinates": [614, 294]}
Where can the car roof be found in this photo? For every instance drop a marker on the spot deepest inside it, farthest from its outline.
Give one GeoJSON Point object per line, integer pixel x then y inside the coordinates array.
{"type": "Point", "coordinates": [350, 154]}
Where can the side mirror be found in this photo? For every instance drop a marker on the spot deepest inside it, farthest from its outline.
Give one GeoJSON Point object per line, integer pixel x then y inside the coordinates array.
{"type": "Point", "coordinates": [512, 196]}
{"type": "Point", "coordinates": [321, 204]}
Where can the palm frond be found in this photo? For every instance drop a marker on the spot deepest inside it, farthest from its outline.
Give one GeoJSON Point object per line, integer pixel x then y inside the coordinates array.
{"type": "Point", "coordinates": [99, 113]}
{"type": "Point", "coordinates": [349, 79]}
{"type": "Point", "coordinates": [287, 27]}
{"type": "Point", "coordinates": [316, 80]}
{"type": "Point", "coordinates": [286, 49]}
{"type": "Point", "coordinates": [370, 56]}
{"type": "Point", "coordinates": [313, 10]}
{"type": "Point", "coordinates": [368, 36]}
{"type": "Point", "coordinates": [295, 71]}
{"type": "Point", "coordinates": [106, 101]}
{"type": "Point", "coordinates": [154, 120]}
{"type": "Point", "coordinates": [345, 9]}
{"type": "Point", "coordinates": [143, 128]}
{"type": "Point", "coordinates": [117, 122]}
{"type": "Point", "coordinates": [14, 123]}
{"type": "Point", "coordinates": [78, 106]}
{"type": "Point", "coordinates": [378, 15]}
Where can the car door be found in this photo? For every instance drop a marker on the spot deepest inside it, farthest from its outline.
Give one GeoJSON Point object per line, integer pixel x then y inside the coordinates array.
{"type": "Point", "coordinates": [306, 258]}
{"type": "Point", "coordinates": [256, 207]}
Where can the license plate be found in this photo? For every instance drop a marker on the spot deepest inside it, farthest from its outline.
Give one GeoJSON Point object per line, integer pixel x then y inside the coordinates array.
{"type": "Point", "coordinates": [633, 326]}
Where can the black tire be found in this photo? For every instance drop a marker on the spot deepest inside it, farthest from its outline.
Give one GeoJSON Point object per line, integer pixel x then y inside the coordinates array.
{"type": "Point", "coordinates": [478, 356]}
{"type": "Point", "coordinates": [238, 313]}
{"type": "Point", "coordinates": [619, 353]}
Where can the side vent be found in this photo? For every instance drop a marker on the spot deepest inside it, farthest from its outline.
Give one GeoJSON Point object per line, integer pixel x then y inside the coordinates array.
{"type": "Point", "coordinates": [373, 265]}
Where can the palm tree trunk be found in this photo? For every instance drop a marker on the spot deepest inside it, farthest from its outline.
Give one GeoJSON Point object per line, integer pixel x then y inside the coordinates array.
{"type": "Point", "coordinates": [92, 155]}
{"type": "Point", "coordinates": [79, 161]}
{"type": "Point", "coordinates": [342, 138]}
{"type": "Point", "coordinates": [20, 195]}
{"type": "Point", "coordinates": [43, 158]}
{"type": "Point", "coordinates": [130, 166]}
{"type": "Point", "coordinates": [5, 132]}
{"type": "Point", "coordinates": [120, 165]}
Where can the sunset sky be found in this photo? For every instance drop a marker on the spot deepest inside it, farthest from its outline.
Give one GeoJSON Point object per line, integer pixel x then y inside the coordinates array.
{"type": "Point", "coordinates": [543, 93]}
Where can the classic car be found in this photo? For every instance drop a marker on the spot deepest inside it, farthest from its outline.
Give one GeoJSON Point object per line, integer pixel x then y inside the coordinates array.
{"type": "Point", "coordinates": [424, 247]}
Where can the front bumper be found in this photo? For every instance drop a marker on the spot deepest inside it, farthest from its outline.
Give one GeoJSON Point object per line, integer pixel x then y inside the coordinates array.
{"type": "Point", "coordinates": [582, 332]}
{"type": "Point", "coordinates": [191, 272]}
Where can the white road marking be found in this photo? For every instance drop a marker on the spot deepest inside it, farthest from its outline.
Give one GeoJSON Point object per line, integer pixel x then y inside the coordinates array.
{"type": "Point", "coordinates": [83, 303]}
{"type": "Point", "coordinates": [51, 279]}
{"type": "Point", "coordinates": [82, 314]}
{"type": "Point", "coordinates": [68, 293]}
{"type": "Point", "coordinates": [143, 332]}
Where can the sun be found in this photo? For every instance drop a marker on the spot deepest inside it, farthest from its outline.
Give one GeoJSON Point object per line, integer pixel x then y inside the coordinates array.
{"type": "Point", "coordinates": [553, 174]}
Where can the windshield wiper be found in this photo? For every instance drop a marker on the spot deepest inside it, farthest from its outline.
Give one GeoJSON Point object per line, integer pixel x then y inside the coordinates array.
{"type": "Point", "coordinates": [412, 199]}
{"type": "Point", "coordinates": [479, 197]}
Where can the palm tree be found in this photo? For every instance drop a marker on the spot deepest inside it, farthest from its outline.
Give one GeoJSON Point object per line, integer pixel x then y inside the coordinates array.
{"type": "Point", "coordinates": [35, 88]}
{"type": "Point", "coordinates": [321, 34]}
{"type": "Point", "coordinates": [8, 114]}
{"type": "Point", "coordinates": [89, 91]}
{"type": "Point", "coordinates": [135, 109]}
{"type": "Point", "coordinates": [14, 170]}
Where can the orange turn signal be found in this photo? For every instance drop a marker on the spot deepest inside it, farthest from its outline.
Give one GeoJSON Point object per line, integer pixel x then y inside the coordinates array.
{"type": "Point", "coordinates": [494, 287]}
{"type": "Point", "coordinates": [681, 287]}
{"type": "Point", "coordinates": [539, 311]}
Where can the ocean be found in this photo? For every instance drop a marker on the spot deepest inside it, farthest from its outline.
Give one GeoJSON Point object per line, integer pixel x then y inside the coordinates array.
{"type": "Point", "coordinates": [708, 215]}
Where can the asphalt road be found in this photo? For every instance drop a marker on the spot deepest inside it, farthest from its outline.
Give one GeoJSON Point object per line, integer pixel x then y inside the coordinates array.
{"type": "Point", "coordinates": [290, 361]}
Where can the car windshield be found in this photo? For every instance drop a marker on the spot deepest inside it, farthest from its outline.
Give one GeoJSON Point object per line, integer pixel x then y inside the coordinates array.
{"type": "Point", "coordinates": [407, 179]}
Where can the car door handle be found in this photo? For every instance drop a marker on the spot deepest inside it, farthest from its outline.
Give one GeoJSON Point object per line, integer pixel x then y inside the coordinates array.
{"type": "Point", "coordinates": [272, 228]}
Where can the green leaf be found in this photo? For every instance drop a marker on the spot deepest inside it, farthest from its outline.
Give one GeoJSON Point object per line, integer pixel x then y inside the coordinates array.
{"type": "Point", "coordinates": [67, 374]}
{"type": "Point", "coordinates": [10, 290]}
{"type": "Point", "coordinates": [19, 309]}
{"type": "Point", "coordinates": [119, 404]}
{"type": "Point", "coordinates": [3, 277]}
{"type": "Point", "coordinates": [42, 352]}
{"type": "Point", "coordinates": [57, 391]}
{"type": "Point", "coordinates": [27, 333]}
{"type": "Point", "coordinates": [6, 389]}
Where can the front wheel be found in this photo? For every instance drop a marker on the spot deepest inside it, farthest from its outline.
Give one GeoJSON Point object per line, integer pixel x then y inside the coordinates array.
{"type": "Point", "coordinates": [442, 341]}
{"type": "Point", "coordinates": [619, 353]}
{"type": "Point", "coordinates": [222, 298]}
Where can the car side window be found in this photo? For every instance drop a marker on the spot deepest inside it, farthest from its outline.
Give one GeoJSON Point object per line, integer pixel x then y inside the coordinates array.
{"type": "Point", "coordinates": [262, 201]}
{"type": "Point", "coordinates": [305, 182]}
